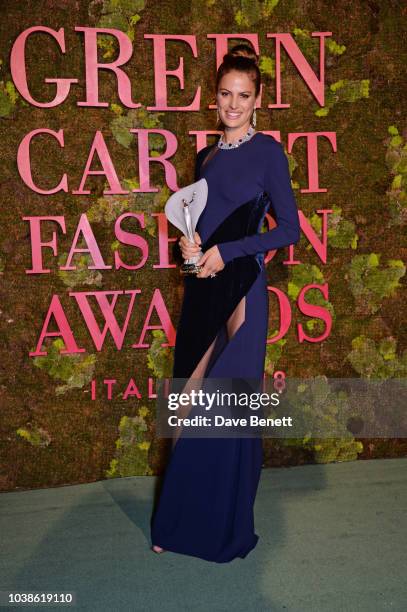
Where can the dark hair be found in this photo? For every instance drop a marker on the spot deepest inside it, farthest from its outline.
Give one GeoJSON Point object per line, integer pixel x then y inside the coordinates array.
{"type": "Point", "coordinates": [242, 58]}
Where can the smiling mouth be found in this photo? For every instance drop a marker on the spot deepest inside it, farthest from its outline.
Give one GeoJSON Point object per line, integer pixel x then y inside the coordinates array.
{"type": "Point", "coordinates": [233, 115]}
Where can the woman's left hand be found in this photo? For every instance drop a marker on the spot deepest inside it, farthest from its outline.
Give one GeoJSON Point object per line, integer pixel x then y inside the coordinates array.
{"type": "Point", "coordinates": [211, 261]}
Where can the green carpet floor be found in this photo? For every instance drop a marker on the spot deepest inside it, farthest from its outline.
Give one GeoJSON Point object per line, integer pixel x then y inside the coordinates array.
{"type": "Point", "coordinates": [332, 538]}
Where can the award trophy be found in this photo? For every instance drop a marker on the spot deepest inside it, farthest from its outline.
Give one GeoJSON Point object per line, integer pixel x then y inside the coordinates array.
{"type": "Point", "coordinates": [183, 210]}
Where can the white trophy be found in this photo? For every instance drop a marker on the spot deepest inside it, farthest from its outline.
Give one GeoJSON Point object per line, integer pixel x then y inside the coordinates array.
{"type": "Point", "coordinates": [183, 210]}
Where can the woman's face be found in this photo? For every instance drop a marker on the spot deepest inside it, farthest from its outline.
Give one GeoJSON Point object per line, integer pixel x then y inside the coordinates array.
{"type": "Point", "coordinates": [236, 100]}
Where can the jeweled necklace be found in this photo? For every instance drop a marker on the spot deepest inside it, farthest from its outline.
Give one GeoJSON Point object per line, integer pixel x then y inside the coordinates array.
{"type": "Point", "coordinates": [233, 145]}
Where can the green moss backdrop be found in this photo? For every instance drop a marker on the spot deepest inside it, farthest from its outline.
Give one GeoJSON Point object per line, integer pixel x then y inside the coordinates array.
{"type": "Point", "coordinates": [51, 431]}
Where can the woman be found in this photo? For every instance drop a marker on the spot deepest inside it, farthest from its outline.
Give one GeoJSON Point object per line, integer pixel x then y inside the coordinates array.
{"type": "Point", "coordinates": [206, 503]}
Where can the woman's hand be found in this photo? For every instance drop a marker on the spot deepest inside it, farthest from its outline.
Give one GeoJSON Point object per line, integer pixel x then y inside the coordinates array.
{"type": "Point", "coordinates": [189, 249]}
{"type": "Point", "coordinates": [211, 261]}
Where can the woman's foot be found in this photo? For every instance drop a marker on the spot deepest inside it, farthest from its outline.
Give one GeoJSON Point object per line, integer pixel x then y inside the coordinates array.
{"type": "Point", "coordinates": [157, 549]}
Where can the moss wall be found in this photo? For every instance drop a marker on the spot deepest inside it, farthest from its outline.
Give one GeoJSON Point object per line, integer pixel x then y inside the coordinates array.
{"type": "Point", "coordinates": [52, 432]}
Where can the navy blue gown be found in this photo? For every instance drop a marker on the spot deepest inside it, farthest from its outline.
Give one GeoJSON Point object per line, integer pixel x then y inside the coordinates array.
{"type": "Point", "coordinates": [206, 503]}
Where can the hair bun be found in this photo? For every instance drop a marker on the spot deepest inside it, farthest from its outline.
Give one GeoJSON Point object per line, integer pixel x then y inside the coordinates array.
{"type": "Point", "coordinates": [242, 50]}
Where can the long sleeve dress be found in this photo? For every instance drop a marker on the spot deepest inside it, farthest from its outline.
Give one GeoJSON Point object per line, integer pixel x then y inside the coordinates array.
{"type": "Point", "coordinates": [206, 503]}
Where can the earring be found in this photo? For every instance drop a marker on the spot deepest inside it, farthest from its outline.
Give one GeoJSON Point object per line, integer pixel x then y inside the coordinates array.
{"type": "Point", "coordinates": [217, 115]}
{"type": "Point", "coordinates": [254, 118]}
